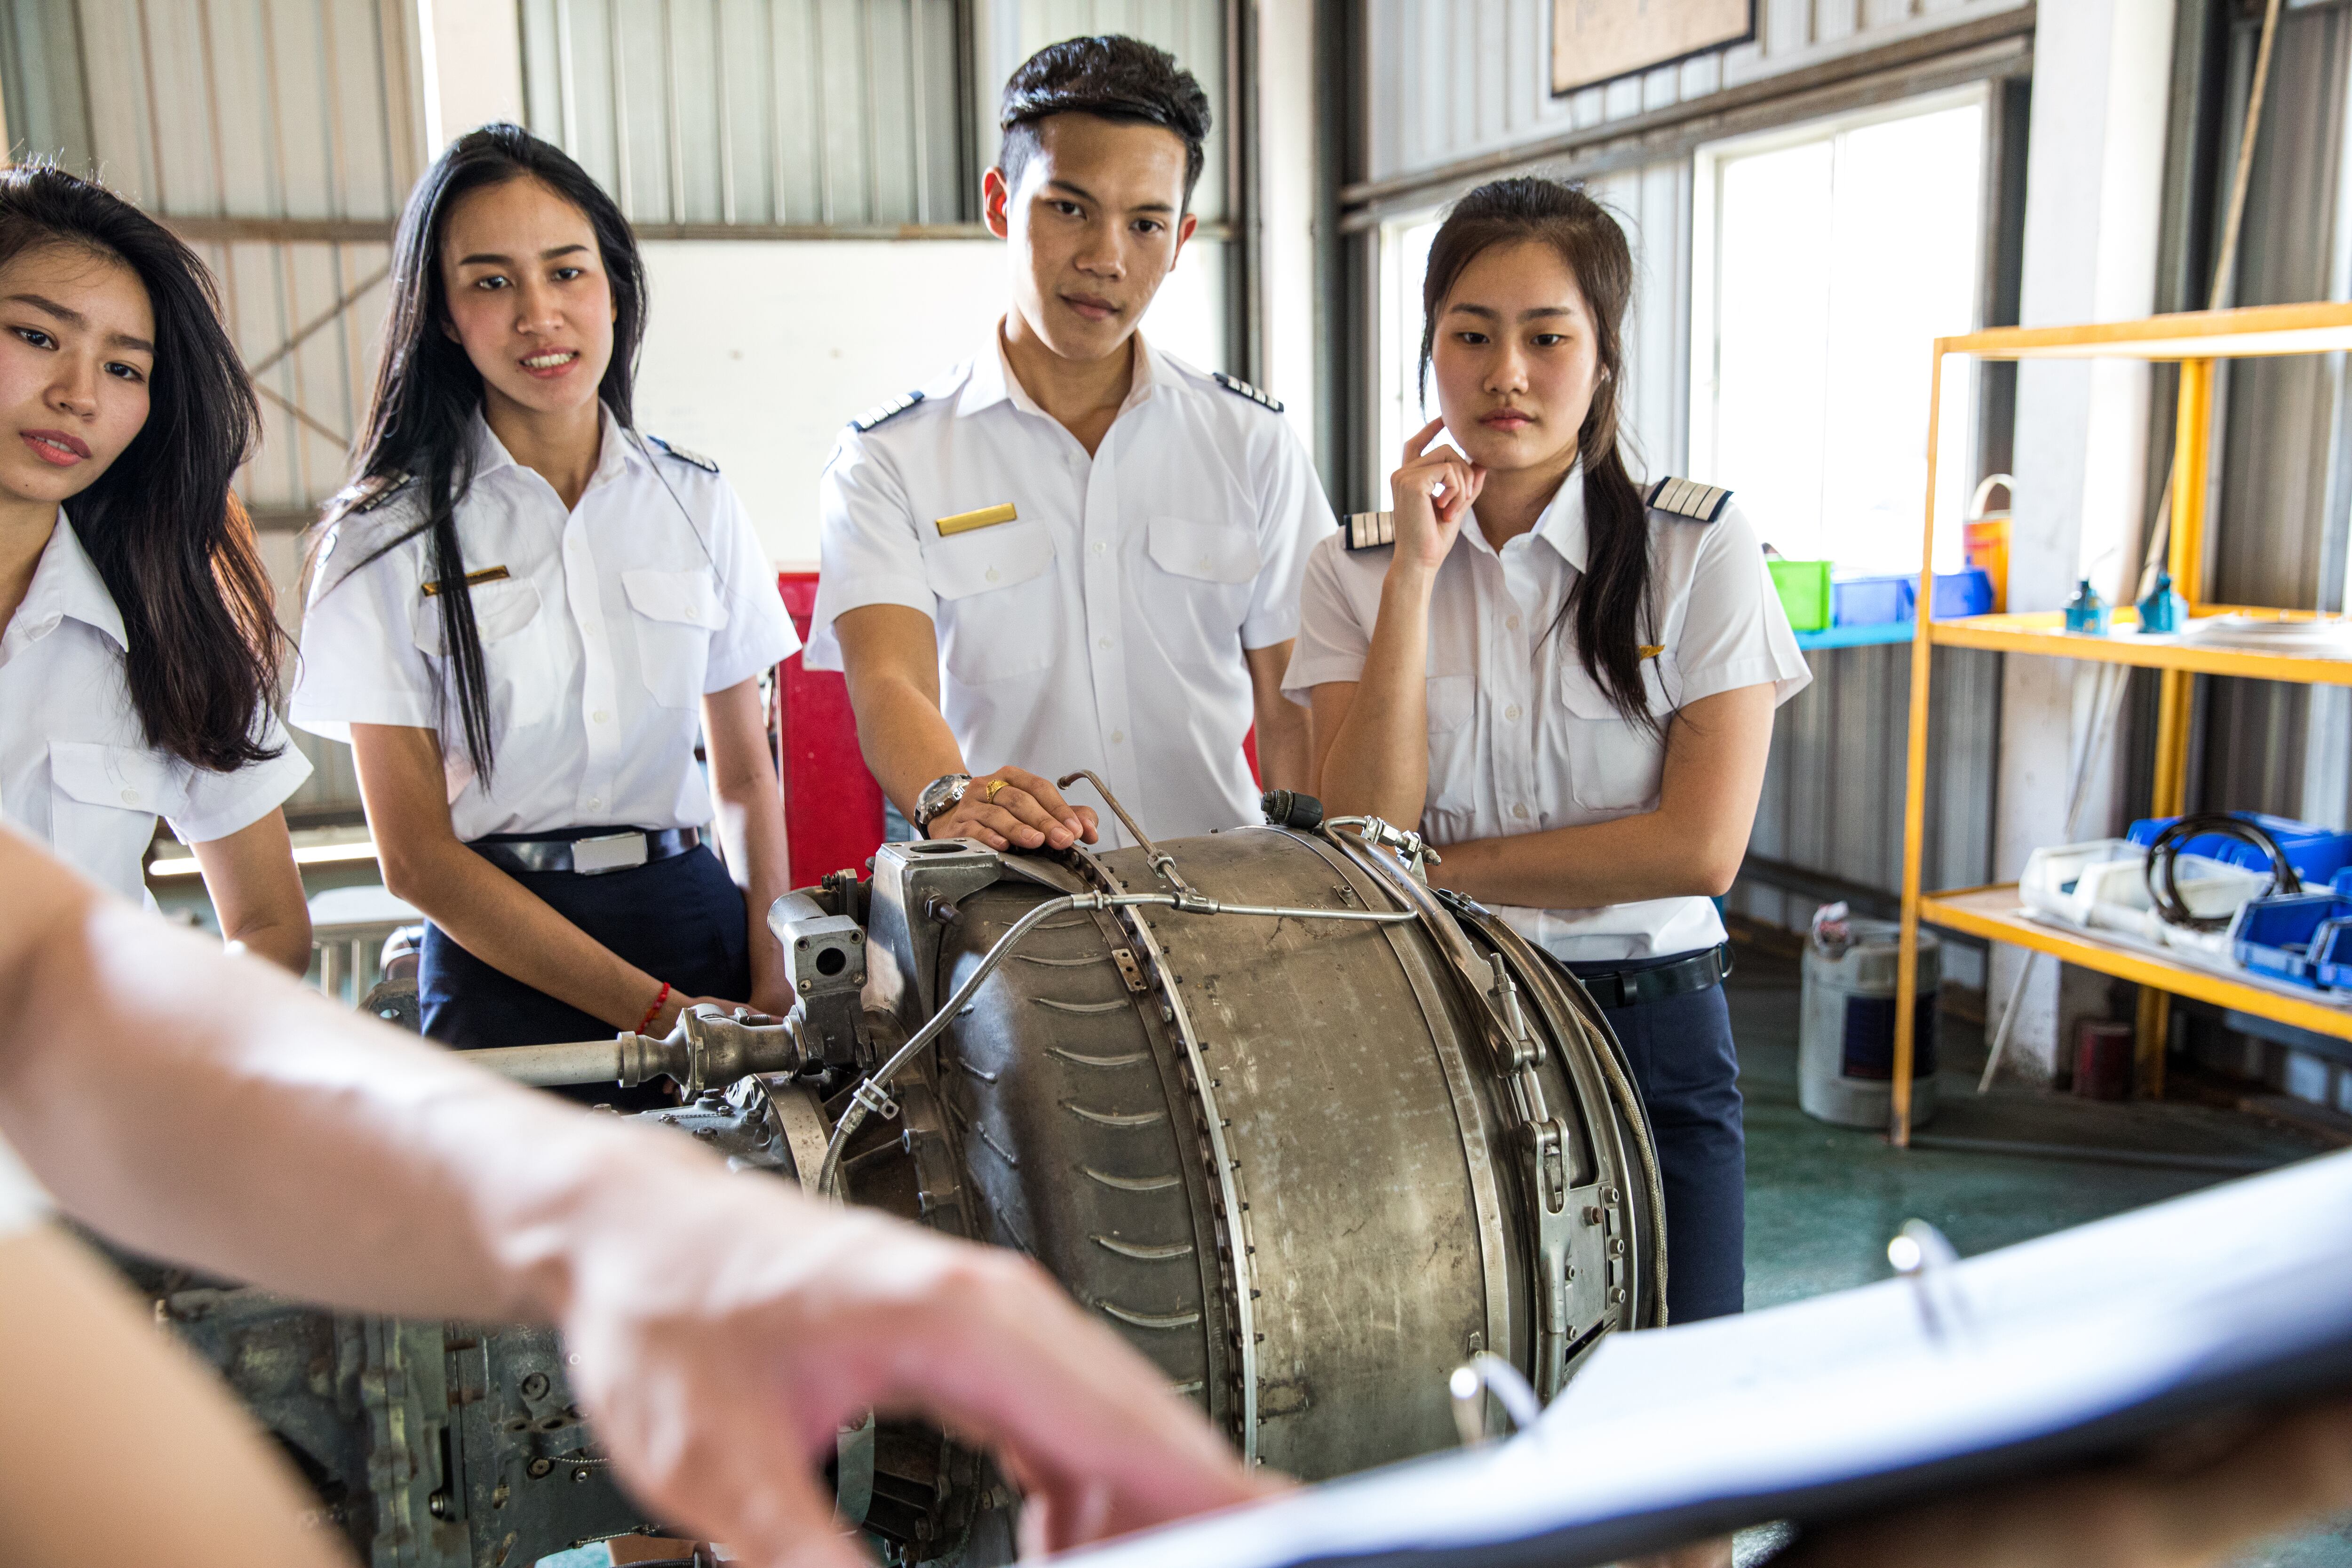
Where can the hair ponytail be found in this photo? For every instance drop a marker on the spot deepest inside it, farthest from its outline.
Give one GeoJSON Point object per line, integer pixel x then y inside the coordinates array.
{"type": "Point", "coordinates": [426, 388]}
{"type": "Point", "coordinates": [1609, 604]}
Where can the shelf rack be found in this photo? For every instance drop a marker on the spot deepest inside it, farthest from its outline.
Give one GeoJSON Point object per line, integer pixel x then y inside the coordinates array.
{"type": "Point", "coordinates": [2196, 341]}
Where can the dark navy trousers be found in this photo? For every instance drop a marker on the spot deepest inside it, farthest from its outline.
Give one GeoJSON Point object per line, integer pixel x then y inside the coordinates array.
{"type": "Point", "coordinates": [1683, 1062]}
{"type": "Point", "coordinates": [679, 919]}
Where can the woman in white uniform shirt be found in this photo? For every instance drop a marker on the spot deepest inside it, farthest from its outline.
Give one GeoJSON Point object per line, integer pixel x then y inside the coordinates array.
{"type": "Point", "coordinates": [1573, 696]}
{"type": "Point", "coordinates": [520, 615]}
{"type": "Point", "coordinates": [139, 651]}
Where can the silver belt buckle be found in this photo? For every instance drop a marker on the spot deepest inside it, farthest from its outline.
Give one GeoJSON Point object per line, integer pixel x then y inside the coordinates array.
{"type": "Point", "coordinates": [608, 852]}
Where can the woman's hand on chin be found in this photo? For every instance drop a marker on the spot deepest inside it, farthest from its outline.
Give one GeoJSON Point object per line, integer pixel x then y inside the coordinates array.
{"type": "Point", "coordinates": [1432, 492]}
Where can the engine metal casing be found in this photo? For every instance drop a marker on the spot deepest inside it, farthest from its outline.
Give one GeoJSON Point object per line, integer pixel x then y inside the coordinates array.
{"type": "Point", "coordinates": [1283, 1157]}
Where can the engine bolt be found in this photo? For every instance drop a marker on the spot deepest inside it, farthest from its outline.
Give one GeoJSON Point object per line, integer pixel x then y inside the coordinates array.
{"type": "Point", "coordinates": [536, 1469]}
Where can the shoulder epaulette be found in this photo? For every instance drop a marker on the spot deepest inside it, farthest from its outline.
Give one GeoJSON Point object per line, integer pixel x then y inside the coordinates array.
{"type": "Point", "coordinates": [364, 495]}
{"type": "Point", "coordinates": [1368, 529]}
{"type": "Point", "coordinates": [1241, 388]}
{"type": "Point", "coordinates": [1688, 498]}
{"type": "Point", "coordinates": [683, 456]}
{"type": "Point", "coordinates": [881, 412]}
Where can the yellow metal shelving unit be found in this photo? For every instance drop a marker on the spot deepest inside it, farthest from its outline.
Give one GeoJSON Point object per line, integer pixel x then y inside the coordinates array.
{"type": "Point", "coordinates": [2196, 341]}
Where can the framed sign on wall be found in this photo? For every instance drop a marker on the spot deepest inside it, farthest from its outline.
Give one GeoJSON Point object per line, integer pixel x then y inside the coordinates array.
{"type": "Point", "coordinates": [1596, 40]}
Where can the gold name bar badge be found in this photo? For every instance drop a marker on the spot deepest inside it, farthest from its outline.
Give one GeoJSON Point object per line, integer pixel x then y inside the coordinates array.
{"type": "Point", "coordinates": [965, 521]}
{"type": "Point", "coordinates": [473, 579]}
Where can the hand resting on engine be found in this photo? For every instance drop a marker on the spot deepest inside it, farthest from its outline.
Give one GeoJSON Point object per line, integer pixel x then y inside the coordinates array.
{"type": "Point", "coordinates": [205, 1110]}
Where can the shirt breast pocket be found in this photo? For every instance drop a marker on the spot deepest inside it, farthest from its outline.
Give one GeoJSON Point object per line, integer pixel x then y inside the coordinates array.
{"type": "Point", "coordinates": [676, 613]}
{"type": "Point", "coordinates": [1614, 764]}
{"type": "Point", "coordinates": [1206, 574]}
{"type": "Point", "coordinates": [105, 800]}
{"type": "Point", "coordinates": [515, 655]}
{"type": "Point", "coordinates": [1000, 613]}
{"type": "Point", "coordinates": [1451, 703]}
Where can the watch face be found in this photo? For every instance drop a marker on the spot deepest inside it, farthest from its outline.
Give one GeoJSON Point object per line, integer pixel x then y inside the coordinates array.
{"type": "Point", "coordinates": [937, 795]}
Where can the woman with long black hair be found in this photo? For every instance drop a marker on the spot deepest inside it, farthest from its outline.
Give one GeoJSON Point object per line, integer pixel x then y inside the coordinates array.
{"type": "Point", "coordinates": [522, 614]}
{"type": "Point", "coordinates": [139, 650]}
{"type": "Point", "coordinates": [1571, 695]}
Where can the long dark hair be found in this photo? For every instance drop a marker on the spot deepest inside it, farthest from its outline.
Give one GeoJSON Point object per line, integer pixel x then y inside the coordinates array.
{"type": "Point", "coordinates": [173, 545]}
{"type": "Point", "coordinates": [426, 389]}
{"type": "Point", "coordinates": [1611, 601]}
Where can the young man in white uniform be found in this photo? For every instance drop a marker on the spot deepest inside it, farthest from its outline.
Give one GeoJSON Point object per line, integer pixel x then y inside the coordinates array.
{"type": "Point", "coordinates": [1074, 550]}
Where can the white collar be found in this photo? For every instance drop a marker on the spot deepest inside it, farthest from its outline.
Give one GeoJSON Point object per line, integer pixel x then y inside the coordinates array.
{"type": "Point", "coordinates": [66, 582]}
{"type": "Point", "coordinates": [1561, 525]}
{"type": "Point", "coordinates": [617, 449]}
{"type": "Point", "coordinates": [992, 380]}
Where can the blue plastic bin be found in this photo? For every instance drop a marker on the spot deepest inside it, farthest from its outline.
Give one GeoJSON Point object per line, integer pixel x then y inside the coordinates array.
{"type": "Point", "coordinates": [2278, 936]}
{"type": "Point", "coordinates": [2316, 853]}
{"type": "Point", "coordinates": [1876, 601]}
{"type": "Point", "coordinates": [1871, 601]}
{"type": "Point", "coordinates": [2343, 882]}
{"type": "Point", "coordinates": [2331, 955]}
{"type": "Point", "coordinates": [1964, 592]}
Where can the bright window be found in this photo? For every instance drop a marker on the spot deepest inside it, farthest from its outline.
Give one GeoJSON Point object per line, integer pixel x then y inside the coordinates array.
{"type": "Point", "coordinates": [1404, 257]}
{"type": "Point", "coordinates": [1826, 260]}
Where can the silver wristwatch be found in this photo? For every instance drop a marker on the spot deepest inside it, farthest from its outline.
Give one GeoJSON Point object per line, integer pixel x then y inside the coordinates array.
{"type": "Point", "coordinates": [938, 798]}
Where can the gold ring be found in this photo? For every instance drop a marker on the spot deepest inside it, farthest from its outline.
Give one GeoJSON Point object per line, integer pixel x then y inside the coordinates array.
{"type": "Point", "coordinates": [989, 792]}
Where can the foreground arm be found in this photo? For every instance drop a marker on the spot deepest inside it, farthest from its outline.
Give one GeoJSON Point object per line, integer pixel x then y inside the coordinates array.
{"type": "Point", "coordinates": [890, 656]}
{"type": "Point", "coordinates": [257, 893]}
{"type": "Point", "coordinates": [751, 822]}
{"type": "Point", "coordinates": [85, 1366]}
{"type": "Point", "coordinates": [725, 1326]}
{"type": "Point", "coordinates": [1690, 847]}
{"type": "Point", "coordinates": [487, 913]}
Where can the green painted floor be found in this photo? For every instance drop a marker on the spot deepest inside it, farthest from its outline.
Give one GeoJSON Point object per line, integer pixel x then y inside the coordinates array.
{"type": "Point", "coordinates": [1823, 1201]}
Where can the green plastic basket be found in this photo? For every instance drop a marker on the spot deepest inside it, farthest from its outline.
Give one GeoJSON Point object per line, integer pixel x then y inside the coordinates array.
{"type": "Point", "coordinates": [1804, 588]}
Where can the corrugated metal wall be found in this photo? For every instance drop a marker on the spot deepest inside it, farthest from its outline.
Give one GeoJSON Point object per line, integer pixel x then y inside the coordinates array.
{"type": "Point", "coordinates": [1832, 799]}
{"type": "Point", "coordinates": [2286, 468]}
{"type": "Point", "coordinates": [783, 112]}
{"type": "Point", "coordinates": [1452, 78]}
{"type": "Point", "coordinates": [840, 114]}
{"type": "Point", "coordinates": [242, 123]}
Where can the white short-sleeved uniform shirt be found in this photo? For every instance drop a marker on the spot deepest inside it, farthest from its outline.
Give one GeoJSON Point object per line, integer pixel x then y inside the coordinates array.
{"type": "Point", "coordinates": [23, 1204]}
{"type": "Point", "coordinates": [77, 771]}
{"type": "Point", "coordinates": [602, 628]}
{"type": "Point", "coordinates": [1521, 739]}
{"type": "Point", "coordinates": [1101, 623]}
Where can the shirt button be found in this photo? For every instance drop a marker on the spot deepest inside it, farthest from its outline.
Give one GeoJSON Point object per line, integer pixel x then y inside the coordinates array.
{"type": "Point", "coordinates": [1103, 643]}
{"type": "Point", "coordinates": [1512, 712]}
{"type": "Point", "coordinates": [694, 614]}
{"type": "Point", "coordinates": [596, 802]}
{"type": "Point", "coordinates": [130, 797]}
{"type": "Point", "coordinates": [1521, 811]}
{"type": "Point", "coordinates": [1117, 736]}
{"type": "Point", "coordinates": [1512, 622]}
{"type": "Point", "coordinates": [601, 717]}
{"type": "Point", "coordinates": [1100, 547]}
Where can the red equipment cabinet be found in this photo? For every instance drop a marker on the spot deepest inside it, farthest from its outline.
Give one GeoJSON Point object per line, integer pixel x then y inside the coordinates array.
{"type": "Point", "coordinates": [832, 807]}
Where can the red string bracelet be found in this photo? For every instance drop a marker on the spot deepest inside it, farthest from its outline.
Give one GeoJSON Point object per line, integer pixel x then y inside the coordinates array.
{"type": "Point", "coordinates": [655, 1011]}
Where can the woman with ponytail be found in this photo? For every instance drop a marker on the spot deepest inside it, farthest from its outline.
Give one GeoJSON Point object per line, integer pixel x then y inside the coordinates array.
{"type": "Point", "coordinates": [1566, 679]}
{"type": "Point", "coordinates": [139, 647]}
{"type": "Point", "coordinates": [523, 615]}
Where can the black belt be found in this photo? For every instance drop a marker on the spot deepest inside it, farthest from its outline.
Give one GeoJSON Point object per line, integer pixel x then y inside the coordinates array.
{"type": "Point", "coordinates": [583, 852]}
{"type": "Point", "coordinates": [1634, 987]}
